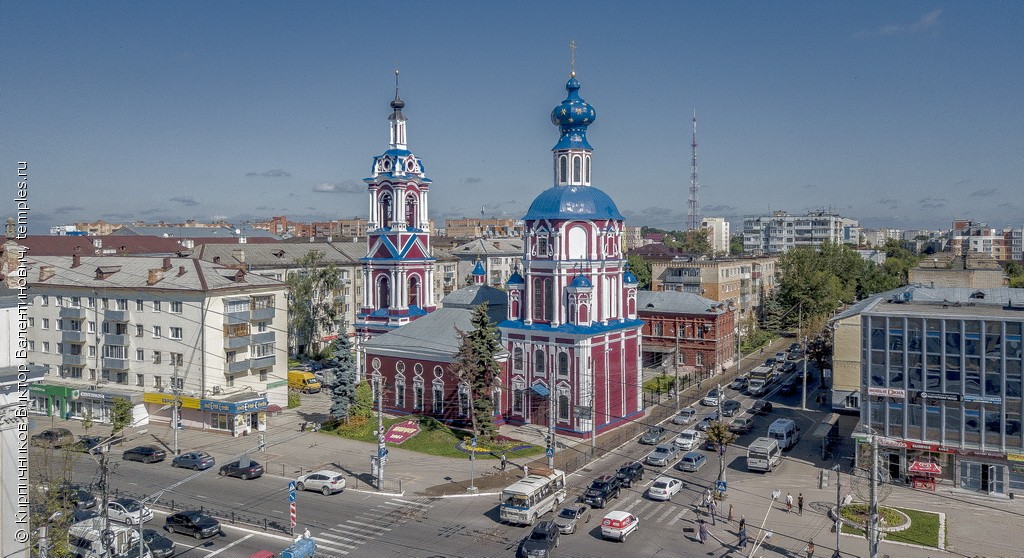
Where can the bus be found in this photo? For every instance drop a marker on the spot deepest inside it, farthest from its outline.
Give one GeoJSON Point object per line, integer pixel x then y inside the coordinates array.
{"type": "Point", "coordinates": [531, 497]}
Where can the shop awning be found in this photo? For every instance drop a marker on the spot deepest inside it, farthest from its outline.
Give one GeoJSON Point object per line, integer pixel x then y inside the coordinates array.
{"type": "Point", "coordinates": [925, 467]}
{"type": "Point", "coordinates": [540, 390]}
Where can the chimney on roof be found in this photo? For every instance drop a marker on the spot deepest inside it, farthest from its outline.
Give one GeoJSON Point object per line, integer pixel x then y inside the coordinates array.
{"type": "Point", "coordinates": [76, 260]}
{"type": "Point", "coordinates": [239, 254]}
{"type": "Point", "coordinates": [167, 264]}
{"type": "Point", "coordinates": [155, 276]}
{"type": "Point", "coordinates": [45, 272]}
{"type": "Point", "coordinates": [181, 270]}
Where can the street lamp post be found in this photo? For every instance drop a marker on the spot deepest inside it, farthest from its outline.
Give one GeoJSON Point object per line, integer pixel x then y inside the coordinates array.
{"type": "Point", "coordinates": [838, 504]}
{"type": "Point", "coordinates": [757, 542]}
{"type": "Point", "coordinates": [721, 447]}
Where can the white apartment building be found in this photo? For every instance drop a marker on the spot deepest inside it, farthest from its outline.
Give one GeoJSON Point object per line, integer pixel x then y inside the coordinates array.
{"type": "Point", "coordinates": [781, 231]}
{"type": "Point", "coordinates": [500, 257]}
{"type": "Point", "coordinates": [718, 233]}
{"type": "Point", "coordinates": [153, 330]}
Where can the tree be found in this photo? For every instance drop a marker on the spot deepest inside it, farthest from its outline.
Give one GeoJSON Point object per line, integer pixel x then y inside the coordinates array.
{"type": "Point", "coordinates": [641, 268]}
{"type": "Point", "coordinates": [87, 422]}
{"type": "Point", "coordinates": [694, 241]}
{"type": "Point", "coordinates": [736, 245]}
{"type": "Point", "coordinates": [120, 415]}
{"type": "Point", "coordinates": [312, 307]}
{"type": "Point", "coordinates": [1015, 272]}
{"type": "Point", "coordinates": [771, 320]}
{"type": "Point", "coordinates": [363, 406]}
{"type": "Point", "coordinates": [343, 387]}
{"type": "Point", "coordinates": [477, 369]}
{"type": "Point", "coordinates": [51, 471]}
{"type": "Point", "coordinates": [718, 433]}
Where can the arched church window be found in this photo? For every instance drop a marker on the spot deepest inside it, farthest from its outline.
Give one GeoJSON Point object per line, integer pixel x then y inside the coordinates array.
{"type": "Point", "coordinates": [411, 211]}
{"type": "Point", "coordinates": [414, 291]}
{"type": "Point", "coordinates": [588, 171]}
{"type": "Point", "coordinates": [538, 298]}
{"type": "Point", "coordinates": [538, 361]}
{"type": "Point", "coordinates": [385, 210]}
{"type": "Point", "coordinates": [563, 363]}
{"type": "Point", "coordinates": [576, 169]}
{"type": "Point", "coordinates": [561, 169]}
{"type": "Point", "coordinates": [563, 406]}
{"type": "Point", "coordinates": [549, 300]}
{"type": "Point", "coordinates": [384, 292]}
{"type": "Point", "coordinates": [517, 358]}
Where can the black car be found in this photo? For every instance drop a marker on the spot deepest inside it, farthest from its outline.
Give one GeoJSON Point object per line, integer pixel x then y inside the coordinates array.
{"type": "Point", "coordinates": [761, 407]}
{"type": "Point", "coordinates": [629, 473]}
{"type": "Point", "coordinates": [788, 387]}
{"type": "Point", "coordinates": [739, 383]}
{"type": "Point", "coordinates": [603, 488]}
{"type": "Point", "coordinates": [789, 366]}
{"type": "Point", "coordinates": [145, 454]}
{"type": "Point", "coordinates": [159, 545]}
{"type": "Point", "coordinates": [192, 522]}
{"type": "Point", "coordinates": [541, 541]}
{"type": "Point", "coordinates": [53, 438]}
{"type": "Point", "coordinates": [86, 444]}
{"type": "Point", "coordinates": [731, 407]}
{"type": "Point", "coordinates": [76, 495]}
{"type": "Point", "coordinates": [654, 435]}
{"type": "Point", "coordinates": [252, 470]}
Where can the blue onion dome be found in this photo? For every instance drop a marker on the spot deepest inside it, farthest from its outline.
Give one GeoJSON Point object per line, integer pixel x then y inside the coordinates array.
{"type": "Point", "coordinates": [573, 202]}
{"type": "Point", "coordinates": [479, 269]}
{"type": "Point", "coordinates": [516, 279]}
{"type": "Point", "coordinates": [629, 278]}
{"type": "Point", "coordinates": [572, 117]}
{"type": "Point", "coordinates": [581, 281]}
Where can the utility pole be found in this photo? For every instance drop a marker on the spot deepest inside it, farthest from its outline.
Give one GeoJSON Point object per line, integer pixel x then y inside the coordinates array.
{"type": "Point", "coordinates": [803, 400]}
{"type": "Point", "coordinates": [107, 534]}
{"type": "Point", "coordinates": [551, 428]}
{"type": "Point", "coordinates": [873, 520]}
{"type": "Point", "coordinates": [382, 450]}
{"type": "Point", "coordinates": [721, 447]}
{"type": "Point", "coordinates": [175, 418]}
{"type": "Point", "coordinates": [675, 359]}
{"type": "Point", "coordinates": [838, 504]}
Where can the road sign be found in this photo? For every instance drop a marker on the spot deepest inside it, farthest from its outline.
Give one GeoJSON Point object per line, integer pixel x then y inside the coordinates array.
{"type": "Point", "coordinates": [551, 452]}
{"type": "Point", "coordinates": [291, 496]}
{"type": "Point", "coordinates": [382, 453]}
{"type": "Point", "coordinates": [722, 485]}
{"type": "Point", "coordinates": [291, 486]}
{"type": "Point", "coordinates": [472, 443]}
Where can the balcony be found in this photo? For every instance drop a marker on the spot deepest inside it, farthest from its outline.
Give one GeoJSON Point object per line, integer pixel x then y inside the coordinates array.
{"type": "Point", "coordinates": [683, 279]}
{"type": "Point", "coordinates": [74, 360]}
{"type": "Point", "coordinates": [238, 366]}
{"type": "Point", "coordinates": [265, 337]}
{"type": "Point", "coordinates": [232, 318]}
{"type": "Point", "coordinates": [113, 339]}
{"type": "Point", "coordinates": [77, 313]}
{"type": "Point", "coordinates": [262, 314]}
{"type": "Point", "coordinates": [68, 336]}
{"type": "Point", "coordinates": [117, 315]}
{"type": "Point", "coordinates": [263, 362]}
{"type": "Point", "coordinates": [237, 342]}
{"type": "Point", "coordinates": [115, 363]}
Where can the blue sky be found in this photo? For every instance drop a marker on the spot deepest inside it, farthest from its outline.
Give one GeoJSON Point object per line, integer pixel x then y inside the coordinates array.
{"type": "Point", "coordinates": [902, 114]}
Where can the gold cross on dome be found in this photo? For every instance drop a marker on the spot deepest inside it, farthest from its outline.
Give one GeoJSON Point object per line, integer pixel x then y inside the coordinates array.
{"type": "Point", "coordinates": [572, 58]}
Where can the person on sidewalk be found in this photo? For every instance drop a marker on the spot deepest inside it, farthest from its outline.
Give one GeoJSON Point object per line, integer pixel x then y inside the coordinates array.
{"type": "Point", "coordinates": [809, 549]}
{"type": "Point", "coordinates": [702, 531]}
{"type": "Point", "coordinates": [800, 504]}
{"type": "Point", "coordinates": [503, 461]}
{"type": "Point", "coordinates": [712, 508]}
{"type": "Point", "coordinates": [742, 537]}
{"type": "Point", "coordinates": [729, 519]}
{"type": "Point", "coordinates": [743, 522]}
{"type": "Point", "coordinates": [789, 502]}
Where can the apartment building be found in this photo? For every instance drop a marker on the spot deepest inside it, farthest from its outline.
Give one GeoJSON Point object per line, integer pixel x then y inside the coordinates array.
{"type": "Point", "coordinates": [742, 282]}
{"type": "Point", "coordinates": [478, 228]}
{"type": "Point", "coordinates": [153, 330]}
{"type": "Point", "coordinates": [781, 231]}
{"type": "Point", "coordinates": [686, 333]}
{"type": "Point", "coordinates": [718, 233]}
{"type": "Point", "coordinates": [499, 256]}
{"type": "Point", "coordinates": [971, 270]}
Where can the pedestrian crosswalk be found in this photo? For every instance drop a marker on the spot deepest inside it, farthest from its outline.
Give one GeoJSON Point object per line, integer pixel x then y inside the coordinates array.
{"type": "Point", "coordinates": [651, 511]}
{"type": "Point", "coordinates": [356, 531]}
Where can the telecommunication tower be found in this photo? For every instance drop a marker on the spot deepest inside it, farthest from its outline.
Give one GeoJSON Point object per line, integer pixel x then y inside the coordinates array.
{"type": "Point", "coordinates": [694, 215]}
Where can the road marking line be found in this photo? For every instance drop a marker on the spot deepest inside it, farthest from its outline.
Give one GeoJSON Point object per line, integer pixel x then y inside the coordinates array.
{"type": "Point", "coordinates": [216, 552]}
{"type": "Point", "coordinates": [370, 525]}
{"type": "Point", "coordinates": [677, 518]}
{"type": "Point", "coordinates": [330, 539]}
{"type": "Point", "coordinates": [336, 536]}
{"type": "Point", "coordinates": [414, 503]}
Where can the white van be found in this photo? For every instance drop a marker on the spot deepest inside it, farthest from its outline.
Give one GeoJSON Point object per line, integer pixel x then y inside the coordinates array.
{"type": "Point", "coordinates": [763, 454]}
{"type": "Point", "coordinates": [85, 540]}
{"type": "Point", "coordinates": [786, 431]}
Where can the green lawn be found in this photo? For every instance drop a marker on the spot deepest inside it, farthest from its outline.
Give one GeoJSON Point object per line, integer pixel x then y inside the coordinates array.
{"type": "Point", "coordinates": [434, 438]}
{"type": "Point", "coordinates": [924, 529]}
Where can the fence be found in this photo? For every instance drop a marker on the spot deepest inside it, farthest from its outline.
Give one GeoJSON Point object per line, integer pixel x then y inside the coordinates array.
{"type": "Point", "coordinates": [233, 517]}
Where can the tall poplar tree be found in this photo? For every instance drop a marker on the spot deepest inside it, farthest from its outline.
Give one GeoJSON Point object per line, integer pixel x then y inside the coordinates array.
{"type": "Point", "coordinates": [312, 308]}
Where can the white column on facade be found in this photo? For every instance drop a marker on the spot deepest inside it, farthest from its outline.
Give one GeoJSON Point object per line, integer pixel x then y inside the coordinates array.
{"type": "Point", "coordinates": [372, 213]}
{"type": "Point", "coordinates": [424, 214]}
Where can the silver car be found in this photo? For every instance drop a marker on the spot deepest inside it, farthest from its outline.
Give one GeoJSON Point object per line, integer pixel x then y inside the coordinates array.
{"type": "Point", "coordinates": [685, 416]}
{"type": "Point", "coordinates": [571, 517]}
{"type": "Point", "coordinates": [327, 482]}
{"type": "Point", "coordinates": [662, 455]}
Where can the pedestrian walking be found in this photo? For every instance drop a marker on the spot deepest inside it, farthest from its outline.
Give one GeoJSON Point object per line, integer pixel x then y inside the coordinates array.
{"type": "Point", "coordinates": [712, 509]}
{"type": "Point", "coordinates": [504, 461]}
{"type": "Point", "coordinates": [702, 532]}
{"type": "Point", "coordinates": [707, 497]}
{"type": "Point", "coordinates": [302, 427]}
{"type": "Point", "coordinates": [743, 537]}
{"type": "Point", "coordinates": [743, 522]}
{"type": "Point", "coordinates": [789, 502]}
{"type": "Point", "coordinates": [729, 519]}
{"type": "Point", "coordinates": [800, 504]}
{"type": "Point", "coordinates": [809, 549]}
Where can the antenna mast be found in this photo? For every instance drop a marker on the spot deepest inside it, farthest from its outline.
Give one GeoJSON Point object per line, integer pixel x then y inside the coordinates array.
{"type": "Point", "coordinates": [694, 216]}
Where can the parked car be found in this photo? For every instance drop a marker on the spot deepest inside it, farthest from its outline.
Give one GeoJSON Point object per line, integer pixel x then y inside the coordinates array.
{"type": "Point", "coordinates": [618, 524]}
{"type": "Point", "coordinates": [662, 455]}
{"type": "Point", "coordinates": [195, 460]}
{"type": "Point", "coordinates": [570, 518]}
{"type": "Point", "coordinates": [684, 416]}
{"type": "Point", "coordinates": [77, 496]}
{"type": "Point", "coordinates": [739, 383]}
{"type": "Point", "coordinates": [53, 438]}
{"type": "Point", "coordinates": [711, 399]}
{"type": "Point", "coordinates": [742, 425]}
{"type": "Point", "coordinates": [541, 541]}
{"type": "Point", "coordinates": [654, 435]}
{"type": "Point", "coordinates": [630, 472]}
{"type": "Point", "coordinates": [761, 407]}
{"type": "Point", "coordinates": [192, 522]}
{"type": "Point", "coordinates": [145, 454]}
{"type": "Point", "coordinates": [793, 355]}
{"type": "Point", "coordinates": [692, 462]}
{"type": "Point", "coordinates": [127, 510]}
{"type": "Point", "coordinates": [86, 444]}
{"type": "Point", "coordinates": [603, 488]}
{"type": "Point", "coordinates": [706, 421]}
{"type": "Point", "coordinates": [252, 470]}
{"type": "Point", "coordinates": [770, 361]}
{"type": "Point", "coordinates": [780, 356]}
{"type": "Point", "coordinates": [664, 488]}
{"type": "Point", "coordinates": [327, 482]}
{"type": "Point", "coordinates": [159, 545]}
{"type": "Point", "coordinates": [731, 407]}
{"type": "Point", "coordinates": [687, 439]}
{"type": "Point", "coordinates": [709, 445]}
{"type": "Point", "coordinates": [75, 515]}
{"type": "Point", "coordinates": [794, 347]}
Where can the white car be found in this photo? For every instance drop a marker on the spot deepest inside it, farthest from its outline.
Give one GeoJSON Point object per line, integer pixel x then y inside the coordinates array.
{"type": "Point", "coordinates": [711, 399]}
{"type": "Point", "coordinates": [687, 439]}
{"type": "Point", "coordinates": [327, 482]}
{"type": "Point", "coordinates": [617, 524]}
{"type": "Point", "coordinates": [663, 488]}
{"type": "Point", "coordinates": [126, 510]}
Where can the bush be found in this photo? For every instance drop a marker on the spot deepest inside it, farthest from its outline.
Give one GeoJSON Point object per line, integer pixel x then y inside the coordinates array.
{"type": "Point", "coordinates": [294, 400]}
{"type": "Point", "coordinates": [660, 384]}
{"type": "Point", "coordinates": [755, 340]}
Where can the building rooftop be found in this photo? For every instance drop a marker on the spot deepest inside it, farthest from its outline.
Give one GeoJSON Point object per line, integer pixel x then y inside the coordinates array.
{"type": "Point", "coordinates": [920, 299]}
{"type": "Point", "coordinates": [673, 302]}
{"type": "Point", "coordinates": [279, 254]}
{"type": "Point", "coordinates": [489, 246]}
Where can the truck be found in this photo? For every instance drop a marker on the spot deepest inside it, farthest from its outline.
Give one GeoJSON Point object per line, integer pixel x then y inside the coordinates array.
{"type": "Point", "coordinates": [761, 378]}
{"type": "Point", "coordinates": [763, 454]}
{"type": "Point", "coordinates": [85, 540]}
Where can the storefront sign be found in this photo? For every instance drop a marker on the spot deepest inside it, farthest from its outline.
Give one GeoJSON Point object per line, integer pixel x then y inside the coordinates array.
{"type": "Point", "coordinates": [940, 396]}
{"type": "Point", "coordinates": [926, 467]}
{"type": "Point", "coordinates": [905, 444]}
{"type": "Point", "coordinates": [233, 407]}
{"type": "Point", "coordinates": [983, 399]}
{"type": "Point", "coordinates": [1015, 456]}
{"type": "Point", "coordinates": [401, 431]}
{"type": "Point", "coordinates": [981, 453]}
{"type": "Point", "coordinates": [887, 392]}
{"type": "Point", "coordinates": [167, 399]}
